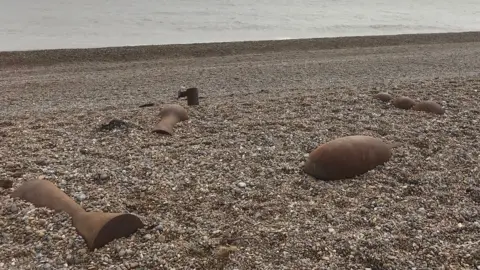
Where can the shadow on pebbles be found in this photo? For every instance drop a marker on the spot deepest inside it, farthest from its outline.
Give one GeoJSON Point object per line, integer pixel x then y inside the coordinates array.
{"type": "Point", "coordinates": [227, 190]}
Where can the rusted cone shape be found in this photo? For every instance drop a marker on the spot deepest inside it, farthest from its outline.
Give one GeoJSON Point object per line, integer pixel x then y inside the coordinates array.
{"type": "Point", "coordinates": [385, 97]}
{"type": "Point", "coordinates": [347, 157]}
{"type": "Point", "coordinates": [96, 228]}
{"type": "Point", "coordinates": [429, 106]}
{"type": "Point", "coordinates": [403, 102]}
{"type": "Point", "coordinates": [191, 94]}
{"type": "Point", "coordinates": [171, 114]}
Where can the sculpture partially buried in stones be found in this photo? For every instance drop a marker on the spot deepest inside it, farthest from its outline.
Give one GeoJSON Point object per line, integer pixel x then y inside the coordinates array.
{"type": "Point", "coordinates": [171, 114]}
{"type": "Point", "coordinates": [347, 157]}
{"type": "Point", "coordinates": [96, 228]}
{"type": "Point", "coordinates": [403, 102]}
{"type": "Point", "coordinates": [385, 97]}
{"type": "Point", "coordinates": [191, 94]}
{"type": "Point", "coordinates": [429, 106]}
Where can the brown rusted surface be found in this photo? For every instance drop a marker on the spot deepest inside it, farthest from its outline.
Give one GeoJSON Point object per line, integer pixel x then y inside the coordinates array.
{"type": "Point", "coordinates": [385, 97]}
{"type": "Point", "coordinates": [429, 106]}
{"type": "Point", "coordinates": [191, 94]}
{"type": "Point", "coordinates": [347, 157]}
{"type": "Point", "coordinates": [96, 228]}
{"type": "Point", "coordinates": [171, 114]}
{"type": "Point", "coordinates": [43, 193]}
{"type": "Point", "coordinates": [403, 102]}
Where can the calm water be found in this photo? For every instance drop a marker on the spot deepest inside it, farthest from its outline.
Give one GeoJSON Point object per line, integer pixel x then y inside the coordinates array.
{"type": "Point", "coordinates": [42, 24]}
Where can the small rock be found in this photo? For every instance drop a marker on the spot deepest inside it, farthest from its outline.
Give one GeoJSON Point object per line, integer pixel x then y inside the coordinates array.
{"type": "Point", "coordinates": [103, 176]}
{"type": "Point", "coordinates": [161, 238]}
{"type": "Point", "coordinates": [331, 230]}
{"type": "Point", "coordinates": [159, 227]}
{"type": "Point", "coordinates": [70, 259]}
{"type": "Point", "coordinates": [82, 251]}
{"type": "Point", "coordinates": [10, 166]}
{"type": "Point", "coordinates": [80, 196]}
{"type": "Point", "coordinates": [242, 184]}
{"type": "Point", "coordinates": [148, 236]}
{"type": "Point", "coordinates": [133, 265]}
{"type": "Point", "coordinates": [6, 183]}
{"type": "Point", "coordinates": [41, 233]}
{"type": "Point", "coordinates": [13, 208]}
{"type": "Point", "coordinates": [114, 124]}
{"type": "Point", "coordinates": [122, 253]}
{"type": "Point", "coordinates": [41, 162]}
{"type": "Point", "coordinates": [42, 222]}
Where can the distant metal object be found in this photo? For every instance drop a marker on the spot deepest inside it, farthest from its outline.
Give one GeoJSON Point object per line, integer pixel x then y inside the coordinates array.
{"type": "Point", "coordinates": [385, 97]}
{"type": "Point", "coordinates": [96, 228]}
{"type": "Point", "coordinates": [171, 114]}
{"type": "Point", "coordinates": [403, 102]}
{"type": "Point", "coordinates": [429, 106]}
{"type": "Point", "coordinates": [191, 94]}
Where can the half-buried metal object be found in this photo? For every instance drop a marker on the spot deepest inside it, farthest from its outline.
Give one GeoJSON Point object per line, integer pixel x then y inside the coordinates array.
{"type": "Point", "coordinates": [347, 157]}
{"type": "Point", "coordinates": [171, 114]}
{"type": "Point", "coordinates": [96, 228]}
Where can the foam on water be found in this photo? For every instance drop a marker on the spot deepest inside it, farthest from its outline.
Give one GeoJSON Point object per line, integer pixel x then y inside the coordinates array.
{"type": "Point", "coordinates": [33, 24]}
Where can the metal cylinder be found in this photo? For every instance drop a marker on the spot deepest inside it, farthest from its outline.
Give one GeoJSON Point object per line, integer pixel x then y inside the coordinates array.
{"type": "Point", "coordinates": [192, 96]}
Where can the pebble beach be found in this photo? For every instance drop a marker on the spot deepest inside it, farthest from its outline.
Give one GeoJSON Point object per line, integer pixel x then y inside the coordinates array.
{"type": "Point", "coordinates": [227, 190]}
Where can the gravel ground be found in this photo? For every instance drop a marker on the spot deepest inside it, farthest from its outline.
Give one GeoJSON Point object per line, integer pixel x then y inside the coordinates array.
{"type": "Point", "coordinates": [227, 191]}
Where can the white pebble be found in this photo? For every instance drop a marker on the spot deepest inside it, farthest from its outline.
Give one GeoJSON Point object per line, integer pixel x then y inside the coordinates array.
{"type": "Point", "coordinates": [80, 196]}
{"type": "Point", "coordinates": [242, 184]}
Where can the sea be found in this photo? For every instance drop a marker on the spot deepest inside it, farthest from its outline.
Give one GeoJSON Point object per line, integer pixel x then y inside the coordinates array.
{"type": "Point", "coordinates": [53, 24]}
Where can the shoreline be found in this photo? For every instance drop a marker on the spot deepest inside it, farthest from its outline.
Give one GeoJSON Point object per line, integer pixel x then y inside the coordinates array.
{"type": "Point", "coordinates": [151, 52]}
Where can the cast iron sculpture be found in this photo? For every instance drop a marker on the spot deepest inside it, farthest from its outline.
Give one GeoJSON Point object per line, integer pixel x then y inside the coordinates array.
{"type": "Point", "coordinates": [96, 228]}
{"type": "Point", "coordinates": [171, 114]}
{"type": "Point", "coordinates": [347, 157]}
{"type": "Point", "coordinates": [429, 106]}
{"type": "Point", "coordinates": [191, 94]}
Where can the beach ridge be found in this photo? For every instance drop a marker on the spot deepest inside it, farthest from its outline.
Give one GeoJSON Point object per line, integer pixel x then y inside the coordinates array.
{"type": "Point", "coordinates": [151, 52]}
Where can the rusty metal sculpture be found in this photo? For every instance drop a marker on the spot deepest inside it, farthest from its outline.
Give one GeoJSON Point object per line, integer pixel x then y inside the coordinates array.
{"type": "Point", "coordinates": [96, 228]}
{"type": "Point", "coordinates": [429, 106]}
{"type": "Point", "coordinates": [171, 114]}
{"type": "Point", "coordinates": [191, 94]}
{"type": "Point", "coordinates": [385, 97]}
{"type": "Point", "coordinates": [403, 102]}
{"type": "Point", "coordinates": [347, 157]}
